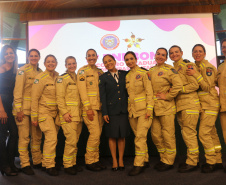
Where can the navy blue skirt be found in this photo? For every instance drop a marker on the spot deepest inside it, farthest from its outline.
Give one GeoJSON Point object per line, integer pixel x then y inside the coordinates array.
{"type": "Point", "coordinates": [118, 126]}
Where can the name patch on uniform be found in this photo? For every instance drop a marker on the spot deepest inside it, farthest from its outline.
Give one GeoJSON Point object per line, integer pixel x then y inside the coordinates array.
{"type": "Point", "coordinates": [82, 78]}
{"type": "Point", "coordinates": [59, 80]}
{"type": "Point", "coordinates": [36, 81]}
{"type": "Point", "coordinates": [174, 71]}
{"type": "Point", "coordinates": [209, 71]}
{"type": "Point", "coordinates": [20, 72]}
{"type": "Point", "coordinates": [81, 72]}
{"type": "Point", "coordinates": [160, 73]}
{"type": "Point", "coordinates": [149, 76]}
{"type": "Point", "coordinates": [138, 76]}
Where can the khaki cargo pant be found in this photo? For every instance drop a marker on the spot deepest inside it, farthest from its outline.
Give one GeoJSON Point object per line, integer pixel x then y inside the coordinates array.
{"type": "Point", "coordinates": [223, 124]}
{"type": "Point", "coordinates": [188, 120]}
{"type": "Point", "coordinates": [163, 136]}
{"type": "Point", "coordinates": [48, 126]}
{"type": "Point", "coordinates": [209, 138]}
{"type": "Point", "coordinates": [140, 127]}
{"type": "Point", "coordinates": [95, 129]}
{"type": "Point", "coordinates": [26, 129]}
{"type": "Point", "coordinates": [72, 132]}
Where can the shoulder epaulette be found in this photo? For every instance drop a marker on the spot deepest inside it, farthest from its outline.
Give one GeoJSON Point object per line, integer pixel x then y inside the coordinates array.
{"type": "Point", "coordinates": [144, 68]}
{"type": "Point", "coordinates": [66, 76]}
{"type": "Point", "coordinates": [63, 74]}
{"type": "Point", "coordinates": [186, 61]}
{"type": "Point", "coordinates": [44, 76]}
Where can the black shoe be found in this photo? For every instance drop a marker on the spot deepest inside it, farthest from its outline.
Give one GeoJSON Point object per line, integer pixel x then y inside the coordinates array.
{"type": "Point", "coordinates": [208, 168]}
{"type": "Point", "coordinates": [14, 168]}
{"type": "Point", "coordinates": [70, 171]}
{"type": "Point", "coordinates": [28, 170]}
{"type": "Point", "coordinates": [121, 168]}
{"type": "Point", "coordinates": [52, 171]}
{"type": "Point", "coordinates": [136, 170]}
{"type": "Point", "coordinates": [164, 167]}
{"type": "Point", "coordinates": [101, 165]}
{"type": "Point", "coordinates": [114, 169]}
{"type": "Point", "coordinates": [219, 166]}
{"type": "Point", "coordinates": [146, 165]}
{"type": "Point", "coordinates": [8, 172]}
{"type": "Point", "coordinates": [186, 168]}
{"type": "Point", "coordinates": [37, 166]}
{"type": "Point", "coordinates": [93, 167]}
{"type": "Point", "coordinates": [78, 168]}
{"type": "Point", "coordinates": [158, 164]}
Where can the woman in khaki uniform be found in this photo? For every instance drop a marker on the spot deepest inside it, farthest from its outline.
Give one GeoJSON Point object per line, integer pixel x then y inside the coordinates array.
{"type": "Point", "coordinates": [44, 111]}
{"type": "Point", "coordinates": [22, 110]}
{"type": "Point", "coordinates": [166, 84]}
{"type": "Point", "coordinates": [140, 108]}
{"type": "Point", "coordinates": [88, 86]}
{"type": "Point", "coordinates": [69, 105]}
{"type": "Point", "coordinates": [208, 96]}
{"type": "Point", "coordinates": [221, 76]}
{"type": "Point", "coordinates": [188, 107]}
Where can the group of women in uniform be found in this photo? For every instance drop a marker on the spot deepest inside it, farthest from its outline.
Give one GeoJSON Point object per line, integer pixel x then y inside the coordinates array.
{"type": "Point", "coordinates": [45, 101]}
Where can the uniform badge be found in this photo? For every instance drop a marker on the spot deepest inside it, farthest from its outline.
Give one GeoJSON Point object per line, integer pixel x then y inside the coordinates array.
{"type": "Point", "coordinates": [149, 76]}
{"type": "Point", "coordinates": [82, 78]}
{"type": "Point", "coordinates": [190, 67]}
{"type": "Point", "coordinates": [160, 73]}
{"type": "Point", "coordinates": [138, 76]}
{"type": "Point", "coordinates": [20, 72]}
{"type": "Point", "coordinates": [209, 71]}
{"type": "Point", "coordinates": [36, 81]}
{"type": "Point", "coordinates": [174, 71]}
{"type": "Point", "coordinates": [179, 68]}
{"type": "Point", "coordinates": [59, 80]}
{"type": "Point", "coordinates": [81, 72]}
{"type": "Point", "coordinates": [91, 83]}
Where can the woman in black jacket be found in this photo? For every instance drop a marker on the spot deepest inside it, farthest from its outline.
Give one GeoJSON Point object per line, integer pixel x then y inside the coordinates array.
{"type": "Point", "coordinates": [114, 99]}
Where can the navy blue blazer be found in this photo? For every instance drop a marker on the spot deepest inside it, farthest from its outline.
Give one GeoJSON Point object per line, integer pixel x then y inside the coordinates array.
{"type": "Point", "coordinates": [113, 95]}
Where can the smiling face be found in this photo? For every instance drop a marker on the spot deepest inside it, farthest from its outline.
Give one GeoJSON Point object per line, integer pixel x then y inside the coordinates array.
{"type": "Point", "coordinates": [160, 56]}
{"type": "Point", "coordinates": [198, 54]}
{"type": "Point", "coordinates": [91, 57]}
{"type": "Point", "coordinates": [9, 56]}
{"type": "Point", "coordinates": [71, 65]}
{"type": "Point", "coordinates": [223, 47]}
{"type": "Point", "coordinates": [109, 63]}
{"type": "Point", "coordinates": [50, 64]}
{"type": "Point", "coordinates": [33, 58]}
{"type": "Point", "coordinates": [175, 54]}
{"type": "Point", "coordinates": [131, 61]}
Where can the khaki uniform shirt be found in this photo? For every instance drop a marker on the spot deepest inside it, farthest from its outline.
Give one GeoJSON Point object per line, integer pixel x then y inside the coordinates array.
{"type": "Point", "coordinates": [140, 93]}
{"type": "Point", "coordinates": [221, 80]}
{"type": "Point", "coordinates": [188, 97]}
{"type": "Point", "coordinates": [68, 99]}
{"type": "Point", "coordinates": [165, 79]}
{"type": "Point", "coordinates": [43, 97]}
{"type": "Point", "coordinates": [22, 92]}
{"type": "Point", "coordinates": [88, 86]}
{"type": "Point", "coordinates": [206, 77]}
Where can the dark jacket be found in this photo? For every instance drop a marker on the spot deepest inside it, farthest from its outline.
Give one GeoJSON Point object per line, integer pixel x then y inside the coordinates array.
{"type": "Point", "coordinates": [113, 95]}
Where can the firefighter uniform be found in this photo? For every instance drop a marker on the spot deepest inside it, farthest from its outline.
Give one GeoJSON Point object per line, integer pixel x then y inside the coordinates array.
{"type": "Point", "coordinates": [140, 103]}
{"type": "Point", "coordinates": [88, 85]}
{"type": "Point", "coordinates": [68, 101]}
{"type": "Point", "coordinates": [208, 96]}
{"type": "Point", "coordinates": [221, 76]}
{"type": "Point", "coordinates": [22, 102]}
{"type": "Point", "coordinates": [44, 110]}
{"type": "Point", "coordinates": [165, 79]}
{"type": "Point", "coordinates": [188, 107]}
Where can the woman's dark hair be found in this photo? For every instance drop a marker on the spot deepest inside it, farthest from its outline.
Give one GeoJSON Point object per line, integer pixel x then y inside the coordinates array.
{"type": "Point", "coordinates": [2, 59]}
{"type": "Point", "coordinates": [132, 53]}
{"type": "Point", "coordinates": [92, 50]}
{"type": "Point", "coordinates": [69, 57]}
{"type": "Point", "coordinates": [175, 46]}
{"type": "Point", "coordinates": [163, 49]}
{"type": "Point", "coordinates": [113, 58]}
{"type": "Point", "coordinates": [224, 40]}
{"type": "Point", "coordinates": [49, 56]}
{"type": "Point", "coordinates": [204, 49]}
{"type": "Point", "coordinates": [37, 51]}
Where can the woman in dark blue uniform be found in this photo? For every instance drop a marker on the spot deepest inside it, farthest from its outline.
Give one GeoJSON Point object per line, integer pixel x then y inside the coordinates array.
{"type": "Point", "coordinates": [8, 69]}
{"type": "Point", "coordinates": [114, 99]}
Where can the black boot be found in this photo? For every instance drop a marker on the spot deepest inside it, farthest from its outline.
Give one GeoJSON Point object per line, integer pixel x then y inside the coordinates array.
{"type": "Point", "coordinates": [136, 170]}
{"type": "Point", "coordinates": [184, 168]}
{"type": "Point", "coordinates": [28, 170]}
{"type": "Point", "coordinates": [101, 165]}
{"type": "Point", "coordinates": [52, 171]}
{"type": "Point", "coordinates": [70, 171]}
{"type": "Point", "coordinates": [208, 168]}
{"type": "Point", "coordinates": [93, 167]}
{"type": "Point", "coordinates": [164, 167]}
{"type": "Point", "coordinates": [78, 168]}
{"type": "Point", "coordinates": [8, 171]}
{"type": "Point", "coordinates": [14, 168]}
